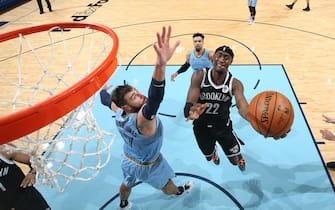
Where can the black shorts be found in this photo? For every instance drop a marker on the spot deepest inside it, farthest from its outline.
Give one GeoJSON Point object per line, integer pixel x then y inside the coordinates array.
{"type": "Point", "coordinates": [208, 134]}
{"type": "Point", "coordinates": [29, 198]}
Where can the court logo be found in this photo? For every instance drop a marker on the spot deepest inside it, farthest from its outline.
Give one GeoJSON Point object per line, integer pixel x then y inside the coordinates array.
{"type": "Point", "coordinates": [80, 16]}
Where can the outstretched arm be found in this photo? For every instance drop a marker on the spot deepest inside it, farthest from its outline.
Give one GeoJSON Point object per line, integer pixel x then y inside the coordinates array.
{"type": "Point", "coordinates": [145, 120]}
{"type": "Point", "coordinates": [164, 52]}
{"type": "Point", "coordinates": [30, 178]}
{"type": "Point", "coordinates": [241, 101]}
{"type": "Point", "coordinates": [183, 68]}
{"type": "Point", "coordinates": [17, 156]}
{"type": "Point", "coordinates": [210, 55]}
{"type": "Point", "coordinates": [106, 99]}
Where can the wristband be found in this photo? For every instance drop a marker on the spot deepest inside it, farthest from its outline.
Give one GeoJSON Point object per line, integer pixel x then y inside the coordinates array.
{"type": "Point", "coordinates": [31, 171]}
{"type": "Point", "coordinates": [187, 109]}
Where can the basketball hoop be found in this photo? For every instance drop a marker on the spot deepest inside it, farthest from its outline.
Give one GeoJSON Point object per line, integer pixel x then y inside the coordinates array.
{"type": "Point", "coordinates": [23, 122]}
{"type": "Point", "coordinates": [50, 98]}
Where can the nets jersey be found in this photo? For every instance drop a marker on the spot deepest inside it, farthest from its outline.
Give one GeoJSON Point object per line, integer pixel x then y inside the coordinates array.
{"type": "Point", "coordinates": [10, 180]}
{"type": "Point", "coordinates": [137, 146]}
{"type": "Point", "coordinates": [218, 97]}
{"type": "Point", "coordinates": [202, 62]}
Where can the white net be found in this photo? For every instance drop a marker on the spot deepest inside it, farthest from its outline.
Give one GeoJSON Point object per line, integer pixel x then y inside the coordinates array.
{"type": "Point", "coordinates": [38, 66]}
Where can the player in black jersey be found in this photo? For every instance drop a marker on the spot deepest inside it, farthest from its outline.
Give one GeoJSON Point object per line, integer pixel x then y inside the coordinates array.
{"type": "Point", "coordinates": [215, 89]}
{"type": "Point", "coordinates": [16, 189]}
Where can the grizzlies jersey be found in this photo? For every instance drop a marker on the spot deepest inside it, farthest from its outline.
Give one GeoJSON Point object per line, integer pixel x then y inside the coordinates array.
{"type": "Point", "coordinates": [138, 147]}
{"type": "Point", "coordinates": [252, 3]}
{"type": "Point", "coordinates": [202, 62]}
{"type": "Point", "coordinates": [219, 99]}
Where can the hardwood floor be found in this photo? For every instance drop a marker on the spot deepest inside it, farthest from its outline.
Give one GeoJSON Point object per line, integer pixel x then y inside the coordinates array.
{"type": "Point", "coordinates": [303, 42]}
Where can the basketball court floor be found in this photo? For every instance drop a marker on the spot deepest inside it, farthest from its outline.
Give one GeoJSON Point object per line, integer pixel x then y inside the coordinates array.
{"type": "Point", "coordinates": [284, 174]}
{"type": "Point", "coordinates": [287, 51]}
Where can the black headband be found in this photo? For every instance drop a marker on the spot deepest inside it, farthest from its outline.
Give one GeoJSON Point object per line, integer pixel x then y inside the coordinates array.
{"type": "Point", "coordinates": [225, 49]}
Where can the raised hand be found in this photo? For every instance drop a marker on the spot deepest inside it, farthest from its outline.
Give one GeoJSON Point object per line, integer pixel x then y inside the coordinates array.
{"type": "Point", "coordinates": [328, 119]}
{"type": "Point", "coordinates": [162, 46]}
{"type": "Point", "coordinates": [328, 135]}
{"type": "Point", "coordinates": [106, 87]}
{"type": "Point", "coordinates": [282, 136]}
{"type": "Point", "coordinates": [29, 180]}
{"type": "Point", "coordinates": [173, 76]}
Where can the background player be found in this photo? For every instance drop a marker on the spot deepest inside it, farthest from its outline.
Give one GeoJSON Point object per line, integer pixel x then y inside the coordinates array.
{"type": "Point", "coordinates": [198, 58]}
{"type": "Point", "coordinates": [16, 189]}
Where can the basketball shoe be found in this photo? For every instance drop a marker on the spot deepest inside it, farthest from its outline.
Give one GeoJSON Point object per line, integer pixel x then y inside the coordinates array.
{"type": "Point", "coordinates": [215, 157]}
{"type": "Point", "coordinates": [331, 165]}
{"type": "Point", "coordinates": [290, 6]}
{"type": "Point", "coordinates": [129, 205]}
{"type": "Point", "coordinates": [241, 164]}
{"type": "Point", "coordinates": [306, 9]}
{"type": "Point", "coordinates": [251, 20]}
{"type": "Point", "coordinates": [186, 188]}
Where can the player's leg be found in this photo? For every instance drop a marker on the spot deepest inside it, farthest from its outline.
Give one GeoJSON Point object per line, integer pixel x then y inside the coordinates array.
{"type": "Point", "coordinates": [124, 196]}
{"type": "Point", "coordinates": [206, 143]}
{"type": "Point", "coordinates": [307, 6]}
{"type": "Point", "coordinates": [129, 179]}
{"type": "Point", "coordinates": [160, 176]}
{"type": "Point", "coordinates": [290, 6]}
{"type": "Point", "coordinates": [171, 189]}
{"type": "Point", "coordinates": [232, 148]}
{"type": "Point", "coordinates": [49, 5]}
{"type": "Point", "coordinates": [40, 6]}
{"type": "Point", "coordinates": [252, 9]}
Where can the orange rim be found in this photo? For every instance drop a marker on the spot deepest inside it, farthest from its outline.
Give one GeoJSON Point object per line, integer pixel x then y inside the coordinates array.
{"type": "Point", "coordinates": [23, 122]}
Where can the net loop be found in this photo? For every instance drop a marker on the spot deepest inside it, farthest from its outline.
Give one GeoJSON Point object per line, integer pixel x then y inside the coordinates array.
{"type": "Point", "coordinates": [48, 108]}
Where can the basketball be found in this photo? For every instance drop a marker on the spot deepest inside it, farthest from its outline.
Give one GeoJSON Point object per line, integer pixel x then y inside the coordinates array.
{"type": "Point", "coordinates": [271, 114]}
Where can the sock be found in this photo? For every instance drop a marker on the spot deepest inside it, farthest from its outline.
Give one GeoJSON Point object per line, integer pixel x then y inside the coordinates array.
{"type": "Point", "coordinates": [123, 203]}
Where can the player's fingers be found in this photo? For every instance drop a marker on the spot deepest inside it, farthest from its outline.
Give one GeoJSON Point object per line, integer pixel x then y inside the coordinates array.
{"type": "Point", "coordinates": [283, 136]}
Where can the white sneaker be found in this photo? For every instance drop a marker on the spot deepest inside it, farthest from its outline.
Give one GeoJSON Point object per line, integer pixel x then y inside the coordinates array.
{"type": "Point", "coordinates": [130, 204]}
{"type": "Point", "coordinates": [187, 187]}
{"type": "Point", "coordinates": [251, 20]}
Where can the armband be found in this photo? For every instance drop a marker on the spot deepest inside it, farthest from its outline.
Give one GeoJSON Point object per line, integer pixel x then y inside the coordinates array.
{"type": "Point", "coordinates": [187, 109]}
{"type": "Point", "coordinates": [155, 97]}
{"type": "Point", "coordinates": [105, 98]}
{"type": "Point", "coordinates": [184, 67]}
